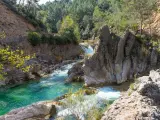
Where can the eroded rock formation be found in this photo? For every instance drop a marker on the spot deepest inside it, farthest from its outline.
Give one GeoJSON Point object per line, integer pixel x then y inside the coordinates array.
{"type": "Point", "coordinates": [117, 60]}
{"type": "Point", "coordinates": [140, 103]}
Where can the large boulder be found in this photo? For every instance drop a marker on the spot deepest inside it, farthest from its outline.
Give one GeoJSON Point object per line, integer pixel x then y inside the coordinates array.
{"type": "Point", "coordinates": [116, 60]}
{"type": "Point", "coordinates": [14, 76]}
{"type": "Point", "coordinates": [141, 102]}
{"type": "Point", "coordinates": [75, 74]}
{"type": "Point", "coordinates": [37, 111]}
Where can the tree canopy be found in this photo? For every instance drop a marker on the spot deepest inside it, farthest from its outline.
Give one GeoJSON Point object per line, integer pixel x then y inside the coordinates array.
{"type": "Point", "coordinates": [88, 15]}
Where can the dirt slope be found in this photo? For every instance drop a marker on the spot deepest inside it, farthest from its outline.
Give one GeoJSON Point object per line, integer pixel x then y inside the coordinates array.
{"type": "Point", "coordinates": [155, 22]}
{"type": "Point", "coordinates": [13, 24]}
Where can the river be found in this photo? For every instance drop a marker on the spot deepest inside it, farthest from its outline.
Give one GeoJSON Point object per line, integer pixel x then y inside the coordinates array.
{"type": "Point", "coordinates": [45, 89]}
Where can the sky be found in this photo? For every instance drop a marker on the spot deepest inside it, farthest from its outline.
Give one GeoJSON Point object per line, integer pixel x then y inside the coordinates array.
{"type": "Point", "coordinates": [44, 1]}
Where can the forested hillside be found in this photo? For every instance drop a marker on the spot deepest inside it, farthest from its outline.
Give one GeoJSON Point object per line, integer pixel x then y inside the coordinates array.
{"type": "Point", "coordinates": [87, 16]}
{"type": "Point", "coordinates": [79, 56]}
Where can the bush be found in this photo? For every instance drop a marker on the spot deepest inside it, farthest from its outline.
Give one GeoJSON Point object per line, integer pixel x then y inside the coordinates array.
{"type": "Point", "coordinates": [58, 40]}
{"type": "Point", "coordinates": [69, 36]}
{"type": "Point", "coordinates": [34, 38]}
{"type": "Point", "coordinates": [44, 39]}
{"type": "Point", "coordinates": [69, 30]}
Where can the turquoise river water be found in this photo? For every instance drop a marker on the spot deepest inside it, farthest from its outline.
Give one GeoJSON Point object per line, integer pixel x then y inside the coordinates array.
{"type": "Point", "coordinates": [47, 89]}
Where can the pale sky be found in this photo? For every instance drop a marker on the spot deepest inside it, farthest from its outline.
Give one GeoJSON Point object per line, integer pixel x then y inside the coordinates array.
{"type": "Point", "coordinates": [44, 1]}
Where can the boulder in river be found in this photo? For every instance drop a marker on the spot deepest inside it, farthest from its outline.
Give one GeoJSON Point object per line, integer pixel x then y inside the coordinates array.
{"type": "Point", "coordinates": [75, 74]}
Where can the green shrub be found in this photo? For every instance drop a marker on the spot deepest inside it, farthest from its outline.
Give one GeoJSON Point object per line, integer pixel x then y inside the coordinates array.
{"type": "Point", "coordinates": [59, 40]}
{"type": "Point", "coordinates": [44, 39]}
{"type": "Point", "coordinates": [132, 86]}
{"type": "Point", "coordinates": [34, 38]}
{"type": "Point", "coordinates": [51, 40]}
{"type": "Point", "coordinates": [69, 30]}
{"type": "Point", "coordinates": [94, 114]}
{"type": "Point", "coordinates": [69, 36]}
{"type": "Point", "coordinates": [129, 93]}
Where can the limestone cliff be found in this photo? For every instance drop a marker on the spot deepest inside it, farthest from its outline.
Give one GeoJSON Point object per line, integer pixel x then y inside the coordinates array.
{"type": "Point", "coordinates": [117, 60]}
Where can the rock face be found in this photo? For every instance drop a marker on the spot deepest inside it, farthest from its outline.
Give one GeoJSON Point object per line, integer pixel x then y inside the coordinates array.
{"type": "Point", "coordinates": [141, 103]}
{"type": "Point", "coordinates": [16, 77]}
{"type": "Point", "coordinates": [117, 60]}
{"type": "Point", "coordinates": [37, 111]}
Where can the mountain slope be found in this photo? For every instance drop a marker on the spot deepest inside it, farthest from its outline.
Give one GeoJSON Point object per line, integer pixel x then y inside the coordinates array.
{"type": "Point", "coordinates": [13, 24]}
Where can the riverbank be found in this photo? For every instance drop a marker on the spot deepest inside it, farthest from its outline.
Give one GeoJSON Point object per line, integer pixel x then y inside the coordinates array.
{"type": "Point", "coordinates": [47, 88]}
{"type": "Point", "coordinates": [63, 108]}
{"type": "Point", "coordinates": [141, 102]}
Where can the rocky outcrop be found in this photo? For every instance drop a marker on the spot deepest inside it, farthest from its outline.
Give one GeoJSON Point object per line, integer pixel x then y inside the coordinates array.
{"type": "Point", "coordinates": [14, 76]}
{"type": "Point", "coordinates": [142, 102]}
{"type": "Point", "coordinates": [117, 60]}
{"type": "Point", "coordinates": [37, 111]}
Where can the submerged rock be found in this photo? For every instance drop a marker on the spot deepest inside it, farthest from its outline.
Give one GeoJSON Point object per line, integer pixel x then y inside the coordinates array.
{"type": "Point", "coordinates": [116, 60]}
{"type": "Point", "coordinates": [37, 111]}
{"type": "Point", "coordinates": [141, 103]}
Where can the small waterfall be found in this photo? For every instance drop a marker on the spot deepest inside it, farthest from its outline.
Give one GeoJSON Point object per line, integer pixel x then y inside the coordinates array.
{"type": "Point", "coordinates": [88, 49]}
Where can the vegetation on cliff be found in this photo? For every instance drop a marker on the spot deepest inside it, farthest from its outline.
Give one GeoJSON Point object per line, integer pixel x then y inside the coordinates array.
{"type": "Point", "coordinates": [14, 58]}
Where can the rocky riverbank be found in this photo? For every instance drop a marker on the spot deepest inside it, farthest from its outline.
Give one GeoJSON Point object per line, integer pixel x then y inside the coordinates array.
{"type": "Point", "coordinates": [141, 102]}
{"type": "Point", "coordinates": [16, 77]}
{"type": "Point", "coordinates": [37, 111]}
{"type": "Point", "coordinates": [44, 110]}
